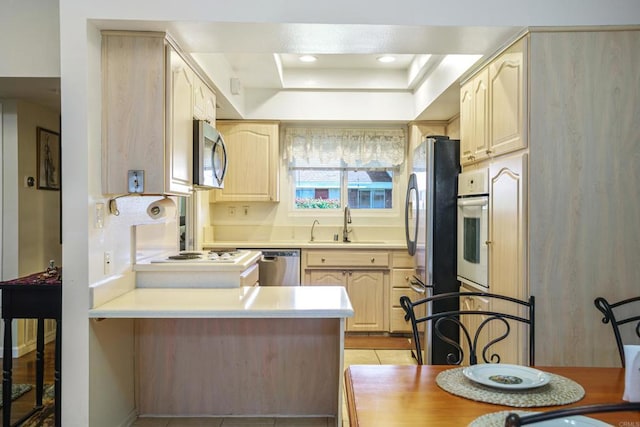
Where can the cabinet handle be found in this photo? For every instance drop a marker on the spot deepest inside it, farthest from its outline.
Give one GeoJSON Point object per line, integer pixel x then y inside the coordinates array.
{"type": "Point", "coordinates": [406, 278]}
{"type": "Point", "coordinates": [488, 242]}
{"type": "Point", "coordinates": [350, 273]}
{"type": "Point", "coordinates": [344, 272]}
{"type": "Point", "coordinates": [322, 260]}
{"type": "Point", "coordinates": [373, 260]}
{"type": "Point", "coordinates": [489, 151]}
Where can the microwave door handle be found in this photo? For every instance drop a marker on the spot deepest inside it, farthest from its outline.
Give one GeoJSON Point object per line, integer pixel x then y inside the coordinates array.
{"type": "Point", "coordinates": [219, 177]}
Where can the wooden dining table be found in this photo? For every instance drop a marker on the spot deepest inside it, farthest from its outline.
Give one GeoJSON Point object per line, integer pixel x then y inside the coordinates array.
{"type": "Point", "coordinates": [405, 395]}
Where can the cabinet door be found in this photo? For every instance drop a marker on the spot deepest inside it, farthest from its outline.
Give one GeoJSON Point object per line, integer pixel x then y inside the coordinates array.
{"type": "Point", "coordinates": [204, 102]}
{"type": "Point", "coordinates": [327, 278]}
{"type": "Point", "coordinates": [508, 100]}
{"type": "Point", "coordinates": [133, 111]}
{"type": "Point", "coordinates": [366, 292]}
{"type": "Point", "coordinates": [252, 173]}
{"type": "Point", "coordinates": [480, 102]}
{"type": "Point", "coordinates": [474, 119]}
{"type": "Point", "coordinates": [179, 145]}
{"type": "Point", "coordinates": [472, 323]}
{"type": "Point", "coordinates": [508, 242]}
{"type": "Point", "coordinates": [467, 120]}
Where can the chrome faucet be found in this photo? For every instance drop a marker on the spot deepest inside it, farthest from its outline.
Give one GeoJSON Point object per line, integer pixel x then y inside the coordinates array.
{"type": "Point", "coordinates": [347, 220]}
{"type": "Point", "coordinates": [315, 221]}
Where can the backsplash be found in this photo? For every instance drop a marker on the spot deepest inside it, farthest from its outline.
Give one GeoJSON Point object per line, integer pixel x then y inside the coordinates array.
{"type": "Point", "coordinates": [269, 233]}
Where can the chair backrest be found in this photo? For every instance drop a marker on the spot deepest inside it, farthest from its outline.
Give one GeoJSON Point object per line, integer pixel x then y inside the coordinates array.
{"type": "Point", "coordinates": [618, 314]}
{"type": "Point", "coordinates": [515, 420]}
{"type": "Point", "coordinates": [471, 338]}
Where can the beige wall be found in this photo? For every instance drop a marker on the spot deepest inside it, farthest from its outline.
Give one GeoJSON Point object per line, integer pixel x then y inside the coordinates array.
{"type": "Point", "coordinates": [38, 210]}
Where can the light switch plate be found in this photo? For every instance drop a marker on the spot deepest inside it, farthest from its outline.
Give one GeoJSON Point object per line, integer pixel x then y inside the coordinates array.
{"type": "Point", "coordinates": [99, 218]}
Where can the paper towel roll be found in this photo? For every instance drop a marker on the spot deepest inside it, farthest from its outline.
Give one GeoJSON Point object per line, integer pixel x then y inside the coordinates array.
{"type": "Point", "coordinates": [163, 208]}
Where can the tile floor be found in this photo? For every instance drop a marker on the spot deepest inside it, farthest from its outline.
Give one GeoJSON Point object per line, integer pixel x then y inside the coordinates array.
{"type": "Point", "coordinates": [351, 357]}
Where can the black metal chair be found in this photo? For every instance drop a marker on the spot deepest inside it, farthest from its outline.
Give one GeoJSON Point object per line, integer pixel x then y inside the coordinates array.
{"type": "Point", "coordinates": [515, 420]}
{"type": "Point", "coordinates": [443, 320]}
{"type": "Point", "coordinates": [622, 308]}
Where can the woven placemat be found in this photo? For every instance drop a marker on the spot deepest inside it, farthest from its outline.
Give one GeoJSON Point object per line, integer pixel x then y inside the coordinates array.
{"type": "Point", "coordinates": [559, 391]}
{"type": "Point", "coordinates": [495, 419]}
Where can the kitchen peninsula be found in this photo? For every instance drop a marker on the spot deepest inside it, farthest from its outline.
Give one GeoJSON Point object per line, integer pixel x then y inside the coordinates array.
{"type": "Point", "coordinates": [250, 351]}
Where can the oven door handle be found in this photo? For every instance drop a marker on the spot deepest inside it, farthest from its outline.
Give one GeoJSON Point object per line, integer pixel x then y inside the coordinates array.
{"type": "Point", "coordinates": [476, 201]}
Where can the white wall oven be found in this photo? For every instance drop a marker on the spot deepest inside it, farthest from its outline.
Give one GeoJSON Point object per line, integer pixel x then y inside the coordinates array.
{"type": "Point", "coordinates": [473, 227]}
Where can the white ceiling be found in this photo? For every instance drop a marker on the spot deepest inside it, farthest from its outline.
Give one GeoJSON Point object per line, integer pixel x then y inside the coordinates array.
{"type": "Point", "coordinates": [265, 56]}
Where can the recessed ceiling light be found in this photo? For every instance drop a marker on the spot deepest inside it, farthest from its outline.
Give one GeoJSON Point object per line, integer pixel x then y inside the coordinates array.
{"type": "Point", "coordinates": [386, 58]}
{"type": "Point", "coordinates": [308, 58]}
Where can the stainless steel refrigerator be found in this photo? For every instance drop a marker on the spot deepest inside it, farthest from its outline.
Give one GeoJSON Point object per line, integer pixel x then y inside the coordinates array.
{"type": "Point", "coordinates": [430, 223]}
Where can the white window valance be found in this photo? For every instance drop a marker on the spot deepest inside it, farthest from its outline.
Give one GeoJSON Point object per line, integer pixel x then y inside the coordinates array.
{"type": "Point", "coordinates": [344, 148]}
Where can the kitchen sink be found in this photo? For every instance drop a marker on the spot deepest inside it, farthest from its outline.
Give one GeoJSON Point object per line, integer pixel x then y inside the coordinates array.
{"type": "Point", "coordinates": [354, 242]}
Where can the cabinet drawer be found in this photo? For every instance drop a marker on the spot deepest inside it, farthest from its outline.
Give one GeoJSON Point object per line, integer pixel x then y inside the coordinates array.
{"type": "Point", "coordinates": [400, 277]}
{"type": "Point", "coordinates": [250, 277]}
{"type": "Point", "coordinates": [398, 324]}
{"type": "Point", "coordinates": [396, 293]}
{"type": "Point", "coordinates": [402, 259]}
{"type": "Point", "coordinates": [347, 259]}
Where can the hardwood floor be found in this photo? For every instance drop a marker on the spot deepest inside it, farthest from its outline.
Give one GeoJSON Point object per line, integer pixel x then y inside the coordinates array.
{"type": "Point", "coordinates": [24, 372]}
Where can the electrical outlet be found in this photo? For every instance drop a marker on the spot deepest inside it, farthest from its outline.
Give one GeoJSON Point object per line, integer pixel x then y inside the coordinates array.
{"type": "Point", "coordinates": [231, 210]}
{"type": "Point", "coordinates": [108, 260]}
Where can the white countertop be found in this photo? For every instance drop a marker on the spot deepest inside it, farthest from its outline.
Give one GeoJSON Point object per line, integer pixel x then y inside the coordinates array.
{"type": "Point", "coordinates": [318, 244]}
{"type": "Point", "coordinates": [245, 302]}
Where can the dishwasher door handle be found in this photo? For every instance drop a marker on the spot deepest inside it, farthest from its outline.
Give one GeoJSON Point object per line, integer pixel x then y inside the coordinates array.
{"type": "Point", "coordinates": [269, 259]}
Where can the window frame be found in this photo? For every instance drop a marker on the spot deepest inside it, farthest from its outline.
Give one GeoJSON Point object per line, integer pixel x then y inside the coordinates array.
{"type": "Point", "coordinates": [394, 211]}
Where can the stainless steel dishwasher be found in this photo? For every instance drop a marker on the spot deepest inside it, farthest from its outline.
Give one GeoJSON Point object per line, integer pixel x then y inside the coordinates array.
{"type": "Point", "coordinates": [279, 267]}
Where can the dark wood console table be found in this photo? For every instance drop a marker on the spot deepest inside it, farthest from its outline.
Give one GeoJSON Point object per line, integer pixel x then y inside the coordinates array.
{"type": "Point", "coordinates": [38, 296]}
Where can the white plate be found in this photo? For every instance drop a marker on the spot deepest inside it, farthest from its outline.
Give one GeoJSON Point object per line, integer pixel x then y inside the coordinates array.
{"type": "Point", "coordinates": [504, 376]}
{"type": "Point", "coordinates": [575, 421]}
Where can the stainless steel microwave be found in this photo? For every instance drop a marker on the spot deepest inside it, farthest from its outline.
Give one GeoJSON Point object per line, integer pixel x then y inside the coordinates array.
{"type": "Point", "coordinates": [209, 156]}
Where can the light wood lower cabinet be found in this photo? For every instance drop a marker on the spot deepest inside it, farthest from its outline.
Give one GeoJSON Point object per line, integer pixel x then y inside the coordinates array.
{"type": "Point", "coordinates": [365, 275]}
{"type": "Point", "coordinates": [472, 323]}
{"type": "Point", "coordinates": [400, 287]}
{"type": "Point", "coordinates": [400, 276]}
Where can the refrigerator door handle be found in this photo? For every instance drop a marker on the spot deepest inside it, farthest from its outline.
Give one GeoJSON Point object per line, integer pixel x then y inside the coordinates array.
{"type": "Point", "coordinates": [418, 286]}
{"type": "Point", "coordinates": [411, 213]}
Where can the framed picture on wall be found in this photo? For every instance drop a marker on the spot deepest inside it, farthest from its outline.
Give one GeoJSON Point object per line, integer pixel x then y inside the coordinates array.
{"type": "Point", "coordinates": [48, 159]}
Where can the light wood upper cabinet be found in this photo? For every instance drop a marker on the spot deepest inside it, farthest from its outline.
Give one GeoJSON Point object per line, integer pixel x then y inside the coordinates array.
{"type": "Point", "coordinates": [493, 107]}
{"type": "Point", "coordinates": [507, 78]}
{"type": "Point", "coordinates": [179, 145]}
{"type": "Point", "coordinates": [204, 102]}
{"type": "Point", "coordinates": [147, 94]}
{"type": "Point", "coordinates": [474, 118]}
{"type": "Point", "coordinates": [252, 152]}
